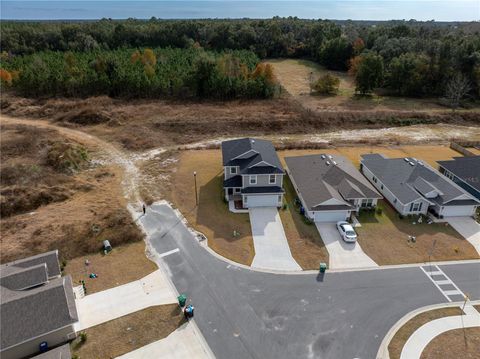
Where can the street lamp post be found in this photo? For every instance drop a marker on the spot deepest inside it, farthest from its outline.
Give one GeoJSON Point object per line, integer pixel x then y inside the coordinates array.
{"type": "Point", "coordinates": [195, 180]}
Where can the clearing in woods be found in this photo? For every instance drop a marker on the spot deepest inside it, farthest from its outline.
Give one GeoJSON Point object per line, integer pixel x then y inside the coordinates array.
{"type": "Point", "coordinates": [295, 76]}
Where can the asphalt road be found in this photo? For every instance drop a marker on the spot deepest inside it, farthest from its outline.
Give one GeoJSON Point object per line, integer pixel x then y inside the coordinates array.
{"type": "Point", "coordinates": [247, 314]}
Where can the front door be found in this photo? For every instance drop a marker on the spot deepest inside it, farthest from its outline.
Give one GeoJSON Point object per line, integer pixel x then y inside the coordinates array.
{"type": "Point", "coordinates": [230, 191]}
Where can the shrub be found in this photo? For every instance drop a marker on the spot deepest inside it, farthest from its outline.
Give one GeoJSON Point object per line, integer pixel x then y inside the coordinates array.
{"type": "Point", "coordinates": [83, 337]}
{"type": "Point", "coordinates": [327, 85]}
{"type": "Point", "coordinates": [379, 211]}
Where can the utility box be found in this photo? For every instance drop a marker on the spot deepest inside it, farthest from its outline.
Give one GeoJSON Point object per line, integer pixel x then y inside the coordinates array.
{"type": "Point", "coordinates": [182, 299]}
{"type": "Point", "coordinates": [323, 267]}
{"type": "Point", "coordinates": [106, 246]}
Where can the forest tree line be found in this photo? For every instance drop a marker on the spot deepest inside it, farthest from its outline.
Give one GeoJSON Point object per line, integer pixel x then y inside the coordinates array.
{"type": "Point", "coordinates": [404, 58]}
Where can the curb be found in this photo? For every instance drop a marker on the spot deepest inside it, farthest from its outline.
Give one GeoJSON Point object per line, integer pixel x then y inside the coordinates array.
{"type": "Point", "coordinates": [383, 349]}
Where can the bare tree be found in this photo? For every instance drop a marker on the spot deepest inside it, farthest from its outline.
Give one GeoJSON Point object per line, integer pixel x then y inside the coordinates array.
{"type": "Point", "coordinates": [456, 89]}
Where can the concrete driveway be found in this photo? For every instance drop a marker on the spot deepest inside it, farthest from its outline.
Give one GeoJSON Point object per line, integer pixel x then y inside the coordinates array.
{"type": "Point", "coordinates": [271, 245]}
{"type": "Point", "coordinates": [342, 254]}
{"type": "Point", "coordinates": [468, 229]}
{"type": "Point", "coordinates": [97, 308]}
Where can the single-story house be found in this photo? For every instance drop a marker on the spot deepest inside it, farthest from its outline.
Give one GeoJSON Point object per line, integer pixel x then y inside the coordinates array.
{"type": "Point", "coordinates": [253, 174]}
{"type": "Point", "coordinates": [329, 187]}
{"type": "Point", "coordinates": [38, 309]}
{"type": "Point", "coordinates": [464, 171]}
{"type": "Point", "coordinates": [413, 187]}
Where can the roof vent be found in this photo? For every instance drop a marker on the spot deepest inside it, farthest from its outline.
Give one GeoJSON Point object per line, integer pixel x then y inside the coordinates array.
{"type": "Point", "coordinates": [411, 163]}
{"type": "Point", "coordinates": [420, 163]}
{"type": "Point", "coordinates": [328, 163]}
{"type": "Point", "coordinates": [330, 156]}
{"type": "Point", "coordinates": [406, 159]}
{"type": "Point", "coordinates": [335, 163]}
{"type": "Point", "coordinates": [253, 141]}
{"type": "Point", "coordinates": [323, 157]}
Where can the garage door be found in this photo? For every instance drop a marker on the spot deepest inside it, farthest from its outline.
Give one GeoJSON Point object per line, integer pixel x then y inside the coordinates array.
{"type": "Point", "coordinates": [261, 201]}
{"type": "Point", "coordinates": [457, 211]}
{"type": "Point", "coordinates": [331, 216]}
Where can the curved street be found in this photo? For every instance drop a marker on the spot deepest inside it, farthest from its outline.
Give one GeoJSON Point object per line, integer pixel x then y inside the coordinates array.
{"type": "Point", "coordinates": [248, 314]}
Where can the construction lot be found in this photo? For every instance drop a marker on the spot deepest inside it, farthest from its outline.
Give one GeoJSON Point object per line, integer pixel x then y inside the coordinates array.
{"type": "Point", "coordinates": [384, 237]}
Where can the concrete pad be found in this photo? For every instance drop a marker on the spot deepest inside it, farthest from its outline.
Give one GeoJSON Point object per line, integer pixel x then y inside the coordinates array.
{"type": "Point", "coordinates": [426, 333]}
{"type": "Point", "coordinates": [182, 343]}
{"type": "Point", "coordinates": [468, 229]}
{"type": "Point", "coordinates": [97, 308]}
{"type": "Point", "coordinates": [342, 254]}
{"type": "Point", "coordinates": [271, 245]}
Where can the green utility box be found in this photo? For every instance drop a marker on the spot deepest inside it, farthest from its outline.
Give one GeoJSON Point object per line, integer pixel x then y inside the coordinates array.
{"type": "Point", "coordinates": [182, 299]}
{"type": "Point", "coordinates": [323, 267]}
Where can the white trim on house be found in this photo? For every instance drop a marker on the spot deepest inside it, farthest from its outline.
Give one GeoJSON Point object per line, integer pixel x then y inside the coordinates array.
{"type": "Point", "coordinates": [261, 162]}
{"type": "Point", "coordinates": [243, 154]}
{"type": "Point", "coordinates": [250, 177]}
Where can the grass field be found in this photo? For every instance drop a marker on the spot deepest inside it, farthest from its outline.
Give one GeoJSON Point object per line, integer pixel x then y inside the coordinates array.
{"type": "Point", "coordinates": [385, 239]}
{"type": "Point", "coordinates": [130, 332]}
{"type": "Point", "coordinates": [122, 265]}
{"type": "Point", "coordinates": [401, 336]}
{"type": "Point", "coordinates": [454, 344]}
{"type": "Point", "coordinates": [294, 75]}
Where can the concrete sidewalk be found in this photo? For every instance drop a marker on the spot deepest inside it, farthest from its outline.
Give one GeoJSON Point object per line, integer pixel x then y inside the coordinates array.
{"type": "Point", "coordinates": [97, 308]}
{"type": "Point", "coordinates": [182, 343]}
{"type": "Point", "coordinates": [419, 340]}
{"type": "Point", "coordinates": [271, 245]}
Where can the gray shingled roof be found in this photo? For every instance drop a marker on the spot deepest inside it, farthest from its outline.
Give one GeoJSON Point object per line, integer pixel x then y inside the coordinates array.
{"type": "Point", "coordinates": [401, 177]}
{"type": "Point", "coordinates": [28, 313]}
{"type": "Point", "coordinates": [256, 151]}
{"type": "Point", "coordinates": [49, 258]}
{"type": "Point", "coordinates": [465, 168]}
{"type": "Point", "coordinates": [235, 181]}
{"type": "Point", "coordinates": [61, 352]}
{"type": "Point", "coordinates": [319, 182]}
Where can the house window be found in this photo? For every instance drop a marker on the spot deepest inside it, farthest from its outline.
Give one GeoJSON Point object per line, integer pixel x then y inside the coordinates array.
{"type": "Point", "coordinates": [374, 179]}
{"type": "Point", "coordinates": [367, 202]}
{"type": "Point", "coordinates": [394, 200]}
{"type": "Point", "coordinates": [237, 190]}
{"type": "Point", "coordinates": [415, 207]}
{"type": "Point", "coordinates": [381, 186]}
{"type": "Point", "coordinates": [253, 179]}
{"type": "Point", "coordinates": [272, 179]}
{"type": "Point", "coordinates": [233, 170]}
{"type": "Point", "coordinates": [279, 198]}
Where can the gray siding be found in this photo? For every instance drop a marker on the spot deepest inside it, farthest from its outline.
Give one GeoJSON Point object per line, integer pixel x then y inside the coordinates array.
{"type": "Point", "coordinates": [263, 181]}
{"type": "Point", "coordinates": [227, 174]}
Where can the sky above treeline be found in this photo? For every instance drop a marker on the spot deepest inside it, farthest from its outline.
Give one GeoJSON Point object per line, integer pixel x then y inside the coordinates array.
{"type": "Point", "coordinates": [422, 10]}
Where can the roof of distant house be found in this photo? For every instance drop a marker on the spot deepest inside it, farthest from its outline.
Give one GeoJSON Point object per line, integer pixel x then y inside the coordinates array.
{"type": "Point", "coordinates": [35, 299]}
{"type": "Point", "coordinates": [328, 182]}
{"type": "Point", "coordinates": [410, 179]}
{"type": "Point", "coordinates": [465, 168]}
{"type": "Point", "coordinates": [252, 156]}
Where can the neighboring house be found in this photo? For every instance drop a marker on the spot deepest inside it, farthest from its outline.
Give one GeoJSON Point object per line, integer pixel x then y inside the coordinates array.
{"type": "Point", "coordinates": [329, 187]}
{"type": "Point", "coordinates": [464, 171]}
{"type": "Point", "coordinates": [253, 175]}
{"type": "Point", "coordinates": [413, 187]}
{"type": "Point", "coordinates": [37, 306]}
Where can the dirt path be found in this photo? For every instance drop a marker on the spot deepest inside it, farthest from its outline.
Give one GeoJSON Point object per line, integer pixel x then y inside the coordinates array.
{"type": "Point", "coordinates": [111, 153]}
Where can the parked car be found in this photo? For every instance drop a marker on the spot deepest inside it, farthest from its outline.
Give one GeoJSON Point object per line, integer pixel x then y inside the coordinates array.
{"type": "Point", "coordinates": [346, 231]}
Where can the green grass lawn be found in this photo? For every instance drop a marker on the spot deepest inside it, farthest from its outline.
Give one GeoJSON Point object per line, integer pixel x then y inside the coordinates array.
{"type": "Point", "coordinates": [384, 237]}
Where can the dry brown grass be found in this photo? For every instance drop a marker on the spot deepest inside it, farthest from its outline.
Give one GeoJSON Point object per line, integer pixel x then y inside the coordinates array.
{"type": "Point", "coordinates": [212, 216]}
{"type": "Point", "coordinates": [304, 240]}
{"type": "Point", "coordinates": [454, 344]}
{"type": "Point", "coordinates": [385, 239]}
{"type": "Point", "coordinates": [401, 336]}
{"type": "Point", "coordinates": [124, 264]}
{"type": "Point", "coordinates": [294, 75]}
{"type": "Point", "coordinates": [143, 124]}
{"type": "Point", "coordinates": [133, 331]}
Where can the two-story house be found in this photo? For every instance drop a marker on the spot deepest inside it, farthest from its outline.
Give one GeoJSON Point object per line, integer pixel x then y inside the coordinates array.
{"type": "Point", "coordinates": [253, 174]}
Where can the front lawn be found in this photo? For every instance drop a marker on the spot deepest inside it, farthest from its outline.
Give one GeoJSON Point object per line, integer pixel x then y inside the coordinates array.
{"type": "Point", "coordinates": [127, 333]}
{"type": "Point", "coordinates": [303, 238]}
{"type": "Point", "coordinates": [212, 216]}
{"type": "Point", "coordinates": [384, 237]}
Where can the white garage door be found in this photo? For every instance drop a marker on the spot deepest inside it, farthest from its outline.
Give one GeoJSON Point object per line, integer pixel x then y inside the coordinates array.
{"type": "Point", "coordinates": [261, 201]}
{"type": "Point", "coordinates": [457, 211]}
{"type": "Point", "coordinates": [331, 216]}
